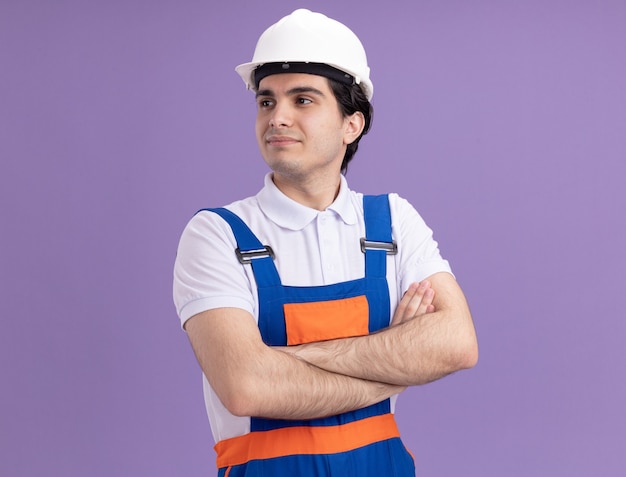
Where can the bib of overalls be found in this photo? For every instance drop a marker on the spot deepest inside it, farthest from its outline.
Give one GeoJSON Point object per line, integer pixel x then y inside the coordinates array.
{"type": "Point", "coordinates": [366, 439]}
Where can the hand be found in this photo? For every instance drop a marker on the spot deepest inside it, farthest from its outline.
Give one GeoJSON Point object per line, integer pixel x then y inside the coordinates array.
{"type": "Point", "coordinates": [416, 301]}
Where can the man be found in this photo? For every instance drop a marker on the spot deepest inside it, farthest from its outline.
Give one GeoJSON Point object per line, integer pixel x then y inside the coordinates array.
{"type": "Point", "coordinates": [309, 306]}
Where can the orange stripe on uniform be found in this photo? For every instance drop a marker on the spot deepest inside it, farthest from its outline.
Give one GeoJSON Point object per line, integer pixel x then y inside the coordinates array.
{"type": "Point", "coordinates": [305, 440]}
{"type": "Point", "coordinates": [326, 320]}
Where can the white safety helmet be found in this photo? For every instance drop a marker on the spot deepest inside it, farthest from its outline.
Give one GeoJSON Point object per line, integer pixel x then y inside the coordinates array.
{"type": "Point", "coordinates": [304, 40]}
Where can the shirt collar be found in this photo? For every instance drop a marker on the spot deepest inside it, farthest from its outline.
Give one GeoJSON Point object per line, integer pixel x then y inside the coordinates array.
{"type": "Point", "coordinates": [292, 215]}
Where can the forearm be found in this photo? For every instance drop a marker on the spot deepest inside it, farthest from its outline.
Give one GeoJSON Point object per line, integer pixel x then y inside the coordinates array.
{"type": "Point", "coordinates": [252, 379]}
{"type": "Point", "coordinates": [286, 387]}
{"type": "Point", "coordinates": [416, 351]}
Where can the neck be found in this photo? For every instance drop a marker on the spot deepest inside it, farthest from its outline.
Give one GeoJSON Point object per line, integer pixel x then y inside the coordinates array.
{"type": "Point", "coordinates": [316, 194]}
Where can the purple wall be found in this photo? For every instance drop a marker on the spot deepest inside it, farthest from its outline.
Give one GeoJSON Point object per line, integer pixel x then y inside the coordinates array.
{"type": "Point", "coordinates": [503, 122]}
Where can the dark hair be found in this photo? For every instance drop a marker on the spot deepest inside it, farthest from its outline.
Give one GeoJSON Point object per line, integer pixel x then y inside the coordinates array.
{"type": "Point", "coordinates": [351, 99]}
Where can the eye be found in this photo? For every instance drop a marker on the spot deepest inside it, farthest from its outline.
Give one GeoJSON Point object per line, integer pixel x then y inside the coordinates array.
{"type": "Point", "coordinates": [302, 100]}
{"type": "Point", "coordinates": [265, 103]}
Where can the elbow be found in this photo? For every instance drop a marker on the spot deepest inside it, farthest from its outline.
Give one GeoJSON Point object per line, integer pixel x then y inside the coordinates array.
{"type": "Point", "coordinates": [242, 398]}
{"type": "Point", "coordinates": [467, 352]}
{"type": "Point", "coordinates": [460, 353]}
{"type": "Point", "coordinates": [236, 404]}
{"type": "Point", "coordinates": [470, 357]}
{"type": "Point", "coordinates": [457, 356]}
{"type": "Point", "coordinates": [466, 344]}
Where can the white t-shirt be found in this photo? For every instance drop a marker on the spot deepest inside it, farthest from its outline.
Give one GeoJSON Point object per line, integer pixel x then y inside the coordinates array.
{"type": "Point", "coordinates": [312, 248]}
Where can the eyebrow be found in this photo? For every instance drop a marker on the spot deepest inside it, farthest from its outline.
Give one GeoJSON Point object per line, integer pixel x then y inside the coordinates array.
{"type": "Point", "coordinates": [292, 91]}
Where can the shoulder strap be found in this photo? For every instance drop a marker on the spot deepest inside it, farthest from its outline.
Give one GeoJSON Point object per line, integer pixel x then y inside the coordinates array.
{"type": "Point", "coordinates": [378, 241]}
{"type": "Point", "coordinates": [250, 250]}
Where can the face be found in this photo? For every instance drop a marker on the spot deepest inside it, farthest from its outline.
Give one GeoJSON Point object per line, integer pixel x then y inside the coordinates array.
{"type": "Point", "coordinates": [299, 127]}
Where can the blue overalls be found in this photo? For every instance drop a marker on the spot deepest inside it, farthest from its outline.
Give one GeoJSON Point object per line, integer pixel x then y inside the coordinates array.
{"type": "Point", "coordinates": [365, 442]}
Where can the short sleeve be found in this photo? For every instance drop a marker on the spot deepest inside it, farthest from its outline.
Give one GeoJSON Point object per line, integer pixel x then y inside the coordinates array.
{"type": "Point", "coordinates": [418, 252]}
{"type": "Point", "coordinates": [207, 274]}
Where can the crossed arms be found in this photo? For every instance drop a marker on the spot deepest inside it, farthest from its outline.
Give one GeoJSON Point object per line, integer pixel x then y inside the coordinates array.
{"type": "Point", "coordinates": [431, 336]}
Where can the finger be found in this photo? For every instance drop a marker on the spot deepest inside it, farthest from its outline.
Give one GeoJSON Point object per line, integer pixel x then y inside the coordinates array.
{"type": "Point", "coordinates": [414, 301]}
{"type": "Point", "coordinates": [426, 302]}
{"type": "Point", "coordinates": [402, 312]}
{"type": "Point", "coordinates": [421, 301]}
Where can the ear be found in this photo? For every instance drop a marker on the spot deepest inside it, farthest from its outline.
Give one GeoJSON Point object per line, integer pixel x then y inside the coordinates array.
{"type": "Point", "coordinates": [354, 127]}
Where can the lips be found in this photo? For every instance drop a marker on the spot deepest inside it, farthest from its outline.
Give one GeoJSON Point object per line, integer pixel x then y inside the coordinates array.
{"type": "Point", "coordinates": [279, 140]}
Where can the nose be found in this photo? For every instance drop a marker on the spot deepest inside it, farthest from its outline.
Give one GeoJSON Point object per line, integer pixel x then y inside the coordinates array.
{"type": "Point", "coordinates": [281, 115]}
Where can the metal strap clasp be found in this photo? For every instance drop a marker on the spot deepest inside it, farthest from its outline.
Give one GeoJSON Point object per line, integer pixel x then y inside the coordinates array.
{"type": "Point", "coordinates": [249, 255]}
{"type": "Point", "coordinates": [391, 248]}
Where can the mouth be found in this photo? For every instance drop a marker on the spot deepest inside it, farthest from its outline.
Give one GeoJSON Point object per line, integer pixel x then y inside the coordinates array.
{"type": "Point", "coordinates": [280, 140]}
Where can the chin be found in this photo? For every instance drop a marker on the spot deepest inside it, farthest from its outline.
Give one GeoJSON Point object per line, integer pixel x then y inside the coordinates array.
{"type": "Point", "coordinates": [287, 169]}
